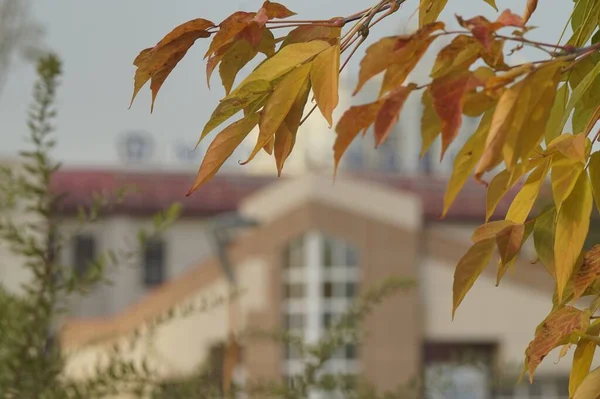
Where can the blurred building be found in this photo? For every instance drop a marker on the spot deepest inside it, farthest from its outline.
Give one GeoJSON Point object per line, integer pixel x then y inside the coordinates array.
{"type": "Point", "coordinates": [315, 245]}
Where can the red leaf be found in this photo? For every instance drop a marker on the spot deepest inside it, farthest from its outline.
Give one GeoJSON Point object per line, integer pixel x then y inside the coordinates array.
{"type": "Point", "coordinates": [448, 94]}
{"type": "Point", "coordinates": [389, 112]}
{"type": "Point", "coordinates": [507, 18]}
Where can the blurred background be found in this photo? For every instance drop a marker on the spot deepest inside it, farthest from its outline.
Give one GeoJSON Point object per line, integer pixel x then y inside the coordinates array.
{"type": "Point", "coordinates": [301, 247]}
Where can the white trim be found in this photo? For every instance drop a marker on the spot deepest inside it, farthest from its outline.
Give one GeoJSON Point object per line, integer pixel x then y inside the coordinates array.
{"type": "Point", "coordinates": [314, 277]}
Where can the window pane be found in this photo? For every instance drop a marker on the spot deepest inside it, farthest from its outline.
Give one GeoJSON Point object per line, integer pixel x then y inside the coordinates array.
{"type": "Point", "coordinates": [84, 252]}
{"type": "Point", "coordinates": [291, 352]}
{"type": "Point", "coordinates": [327, 320]}
{"type": "Point", "coordinates": [294, 291]}
{"type": "Point", "coordinates": [327, 252]}
{"type": "Point", "coordinates": [351, 256]}
{"type": "Point", "coordinates": [350, 290]}
{"type": "Point", "coordinates": [295, 253]}
{"type": "Point", "coordinates": [327, 290]}
{"type": "Point", "coordinates": [154, 263]}
{"type": "Point", "coordinates": [294, 322]}
{"type": "Point", "coordinates": [350, 352]}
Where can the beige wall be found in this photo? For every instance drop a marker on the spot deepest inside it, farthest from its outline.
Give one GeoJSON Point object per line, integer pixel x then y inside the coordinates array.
{"type": "Point", "coordinates": [187, 244]}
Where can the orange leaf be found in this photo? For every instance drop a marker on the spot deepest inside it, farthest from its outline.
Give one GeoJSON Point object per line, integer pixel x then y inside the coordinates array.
{"type": "Point", "coordinates": [276, 10]}
{"type": "Point", "coordinates": [458, 56]}
{"type": "Point", "coordinates": [354, 120]}
{"type": "Point", "coordinates": [507, 18]}
{"type": "Point", "coordinates": [490, 229]}
{"type": "Point", "coordinates": [588, 272]}
{"type": "Point", "coordinates": [509, 242]}
{"type": "Point", "coordinates": [529, 10]}
{"type": "Point", "coordinates": [285, 137]}
{"type": "Point", "coordinates": [279, 105]}
{"type": "Point", "coordinates": [389, 113]}
{"type": "Point", "coordinates": [230, 27]}
{"type": "Point", "coordinates": [324, 76]}
{"type": "Point", "coordinates": [156, 63]}
{"type": "Point", "coordinates": [222, 147]}
{"type": "Point", "coordinates": [448, 94]}
{"type": "Point", "coordinates": [469, 267]}
{"type": "Point", "coordinates": [306, 33]}
{"type": "Point", "coordinates": [553, 332]}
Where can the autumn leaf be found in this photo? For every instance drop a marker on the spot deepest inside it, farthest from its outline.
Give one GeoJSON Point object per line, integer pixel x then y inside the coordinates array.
{"type": "Point", "coordinates": [307, 33]}
{"type": "Point", "coordinates": [469, 268]}
{"type": "Point", "coordinates": [429, 10]}
{"type": "Point", "coordinates": [490, 229]}
{"type": "Point", "coordinates": [324, 77]}
{"type": "Point", "coordinates": [509, 241]}
{"type": "Point", "coordinates": [431, 125]}
{"type": "Point", "coordinates": [502, 183]}
{"type": "Point", "coordinates": [389, 113]}
{"type": "Point", "coordinates": [578, 93]}
{"type": "Point", "coordinates": [284, 61]}
{"type": "Point", "coordinates": [572, 227]}
{"type": "Point", "coordinates": [525, 199]}
{"type": "Point", "coordinates": [276, 10]}
{"type": "Point", "coordinates": [221, 148]}
{"type": "Point", "coordinates": [354, 120]}
{"type": "Point", "coordinates": [589, 386]}
{"type": "Point", "coordinates": [506, 117]}
{"type": "Point", "coordinates": [588, 272]}
{"type": "Point", "coordinates": [483, 30]}
{"type": "Point", "coordinates": [529, 10]}
{"type": "Point", "coordinates": [238, 55]}
{"type": "Point", "coordinates": [400, 53]}
{"type": "Point", "coordinates": [554, 128]}
{"type": "Point", "coordinates": [448, 93]}
{"type": "Point", "coordinates": [492, 3]}
{"type": "Point", "coordinates": [458, 56]}
{"type": "Point", "coordinates": [572, 146]}
{"type": "Point", "coordinates": [558, 327]}
{"type": "Point", "coordinates": [594, 166]}
{"type": "Point", "coordinates": [279, 105]}
{"type": "Point", "coordinates": [228, 29]}
{"type": "Point", "coordinates": [285, 137]}
{"type": "Point", "coordinates": [156, 63]}
{"type": "Point", "coordinates": [465, 161]}
{"type": "Point", "coordinates": [582, 359]}
{"type": "Point", "coordinates": [543, 239]}
{"type": "Point", "coordinates": [232, 105]}
{"type": "Point", "coordinates": [564, 175]}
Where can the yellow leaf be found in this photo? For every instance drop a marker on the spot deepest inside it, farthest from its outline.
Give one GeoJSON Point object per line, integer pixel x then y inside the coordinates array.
{"type": "Point", "coordinates": [285, 138]}
{"type": "Point", "coordinates": [324, 77]}
{"type": "Point", "coordinates": [502, 183]}
{"type": "Point", "coordinates": [572, 227]}
{"type": "Point", "coordinates": [279, 105]}
{"type": "Point", "coordinates": [594, 166]}
{"type": "Point", "coordinates": [503, 121]}
{"type": "Point", "coordinates": [543, 239]}
{"type": "Point", "coordinates": [354, 120]}
{"type": "Point", "coordinates": [554, 127]}
{"type": "Point", "coordinates": [459, 55]}
{"type": "Point", "coordinates": [307, 33]}
{"type": "Point", "coordinates": [558, 326]}
{"type": "Point", "coordinates": [582, 362]}
{"type": "Point", "coordinates": [504, 266]}
{"type": "Point", "coordinates": [564, 175]}
{"type": "Point", "coordinates": [572, 146]}
{"type": "Point", "coordinates": [466, 160]}
{"type": "Point", "coordinates": [254, 91]}
{"type": "Point", "coordinates": [222, 147]}
{"type": "Point", "coordinates": [239, 54]}
{"type": "Point", "coordinates": [429, 10]}
{"type": "Point", "coordinates": [535, 109]}
{"type": "Point", "coordinates": [578, 93]}
{"type": "Point", "coordinates": [524, 200]}
{"type": "Point", "coordinates": [490, 229]}
{"type": "Point", "coordinates": [589, 387]}
{"type": "Point", "coordinates": [529, 9]}
{"type": "Point", "coordinates": [509, 242]}
{"type": "Point", "coordinates": [376, 60]}
{"type": "Point", "coordinates": [431, 124]}
{"type": "Point", "coordinates": [492, 3]}
{"type": "Point", "coordinates": [284, 61]}
{"type": "Point", "coordinates": [469, 267]}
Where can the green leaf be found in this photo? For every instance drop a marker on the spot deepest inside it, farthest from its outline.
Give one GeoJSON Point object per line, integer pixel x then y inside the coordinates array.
{"type": "Point", "coordinates": [594, 166]}
{"type": "Point", "coordinates": [572, 226]}
{"type": "Point", "coordinates": [431, 124]}
{"type": "Point", "coordinates": [240, 53]}
{"type": "Point", "coordinates": [564, 174]}
{"type": "Point", "coordinates": [578, 93]}
{"type": "Point", "coordinates": [470, 266]}
{"type": "Point", "coordinates": [554, 129]}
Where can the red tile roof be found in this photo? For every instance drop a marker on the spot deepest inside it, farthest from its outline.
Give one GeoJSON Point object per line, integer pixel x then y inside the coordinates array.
{"type": "Point", "coordinates": [157, 190]}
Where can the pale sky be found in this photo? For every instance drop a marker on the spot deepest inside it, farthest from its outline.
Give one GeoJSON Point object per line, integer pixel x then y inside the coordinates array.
{"type": "Point", "coordinates": [97, 41]}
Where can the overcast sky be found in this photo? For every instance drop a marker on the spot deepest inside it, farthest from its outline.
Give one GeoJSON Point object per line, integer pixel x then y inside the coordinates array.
{"type": "Point", "coordinates": [98, 40]}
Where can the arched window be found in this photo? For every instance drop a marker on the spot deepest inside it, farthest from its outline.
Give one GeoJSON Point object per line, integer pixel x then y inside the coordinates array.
{"type": "Point", "coordinates": [320, 280]}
